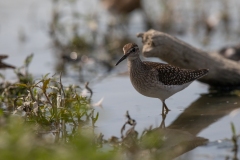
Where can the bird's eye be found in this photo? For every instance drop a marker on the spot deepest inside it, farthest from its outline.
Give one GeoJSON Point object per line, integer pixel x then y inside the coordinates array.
{"type": "Point", "coordinates": [133, 50]}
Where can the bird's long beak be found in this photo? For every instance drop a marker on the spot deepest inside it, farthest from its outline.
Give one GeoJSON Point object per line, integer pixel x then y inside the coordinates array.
{"type": "Point", "coordinates": [120, 60]}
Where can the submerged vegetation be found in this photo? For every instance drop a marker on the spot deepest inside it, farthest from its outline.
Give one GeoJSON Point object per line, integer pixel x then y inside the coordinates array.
{"type": "Point", "coordinates": [45, 119]}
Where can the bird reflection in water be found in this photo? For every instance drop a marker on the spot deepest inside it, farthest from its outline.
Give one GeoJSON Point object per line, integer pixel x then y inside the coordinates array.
{"type": "Point", "coordinates": [158, 142]}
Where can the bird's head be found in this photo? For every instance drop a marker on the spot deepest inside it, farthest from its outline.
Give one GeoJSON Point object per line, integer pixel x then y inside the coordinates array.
{"type": "Point", "coordinates": [131, 51]}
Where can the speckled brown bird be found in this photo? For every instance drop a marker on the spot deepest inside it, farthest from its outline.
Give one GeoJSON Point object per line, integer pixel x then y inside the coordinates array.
{"type": "Point", "coordinates": [157, 80]}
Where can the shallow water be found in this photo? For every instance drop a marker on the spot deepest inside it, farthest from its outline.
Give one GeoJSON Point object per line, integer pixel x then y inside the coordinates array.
{"type": "Point", "coordinates": [194, 109]}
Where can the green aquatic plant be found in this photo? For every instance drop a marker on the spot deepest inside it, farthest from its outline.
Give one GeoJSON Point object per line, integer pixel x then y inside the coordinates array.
{"type": "Point", "coordinates": [43, 119]}
{"type": "Point", "coordinates": [20, 141]}
{"type": "Point", "coordinates": [46, 102]}
{"type": "Point", "coordinates": [234, 140]}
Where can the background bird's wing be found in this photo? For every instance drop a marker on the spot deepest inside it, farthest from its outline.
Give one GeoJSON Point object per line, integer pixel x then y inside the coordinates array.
{"type": "Point", "coordinates": [171, 75]}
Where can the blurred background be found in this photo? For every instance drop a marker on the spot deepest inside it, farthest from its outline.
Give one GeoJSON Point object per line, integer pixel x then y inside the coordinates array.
{"type": "Point", "coordinates": [86, 36]}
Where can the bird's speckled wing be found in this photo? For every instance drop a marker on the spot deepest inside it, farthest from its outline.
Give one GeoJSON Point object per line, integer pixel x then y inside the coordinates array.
{"type": "Point", "coordinates": [171, 75]}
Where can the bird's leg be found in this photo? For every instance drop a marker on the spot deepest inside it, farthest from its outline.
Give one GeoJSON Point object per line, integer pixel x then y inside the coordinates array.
{"type": "Point", "coordinates": [162, 125]}
{"type": "Point", "coordinates": [162, 108]}
{"type": "Point", "coordinates": [165, 106]}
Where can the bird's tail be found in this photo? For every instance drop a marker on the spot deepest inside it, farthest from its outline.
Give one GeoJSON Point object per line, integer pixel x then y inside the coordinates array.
{"type": "Point", "coordinates": [201, 72]}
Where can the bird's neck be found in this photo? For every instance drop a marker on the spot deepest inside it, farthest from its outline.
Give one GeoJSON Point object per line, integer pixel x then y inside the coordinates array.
{"type": "Point", "coordinates": [134, 63]}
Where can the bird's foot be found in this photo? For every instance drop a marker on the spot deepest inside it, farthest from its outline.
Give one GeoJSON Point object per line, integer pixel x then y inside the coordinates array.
{"type": "Point", "coordinates": [164, 112]}
{"type": "Point", "coordinates": [166, 108]}
{"type": "Point", "coordinates": [164, 115]}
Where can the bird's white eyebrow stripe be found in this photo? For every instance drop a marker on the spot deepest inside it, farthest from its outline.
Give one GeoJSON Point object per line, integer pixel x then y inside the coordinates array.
{"type": "Point", "coordinates": [132, 49]}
